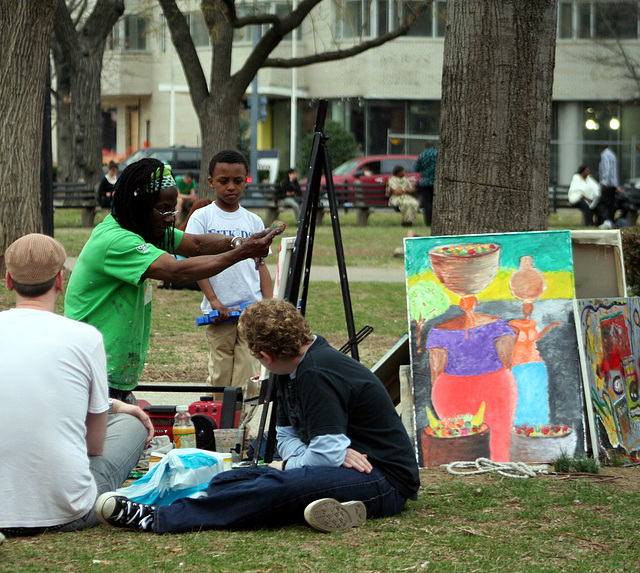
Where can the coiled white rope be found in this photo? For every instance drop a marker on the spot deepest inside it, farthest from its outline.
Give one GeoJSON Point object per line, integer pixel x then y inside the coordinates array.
{"type": "Point", "coordinates": [507, 469]}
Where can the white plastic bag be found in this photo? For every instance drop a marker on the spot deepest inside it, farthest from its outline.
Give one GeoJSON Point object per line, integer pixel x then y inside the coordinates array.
{"type": "Point", "coordinates": [181, 473]}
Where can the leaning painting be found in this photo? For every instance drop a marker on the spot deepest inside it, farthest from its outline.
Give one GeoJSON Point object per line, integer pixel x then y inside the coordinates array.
{"type": "Point", "coordinates": [609, 331]}
{"type": "Point", "coordinates": [494, 352]}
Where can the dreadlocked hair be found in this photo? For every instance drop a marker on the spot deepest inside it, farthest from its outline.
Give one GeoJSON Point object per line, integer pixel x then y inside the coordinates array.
{"type": "Point", "coordinates": [134, 196]}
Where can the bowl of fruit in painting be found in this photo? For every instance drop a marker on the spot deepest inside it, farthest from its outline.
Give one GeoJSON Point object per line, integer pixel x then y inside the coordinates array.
{"type": "Point", "coordinates": [464, 437]}
{"type": "Point", "coordinates": [542, 442]}
{"type": "Point", "coordinates": [467, 268]}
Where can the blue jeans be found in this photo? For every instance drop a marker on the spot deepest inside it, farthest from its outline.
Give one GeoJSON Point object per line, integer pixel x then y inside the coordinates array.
{"type": "Point", "coordinates": [257, 497]}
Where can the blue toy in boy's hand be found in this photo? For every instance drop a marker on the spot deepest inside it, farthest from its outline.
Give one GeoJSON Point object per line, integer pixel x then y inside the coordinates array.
{"type": "Point", "coordinates": [234, 315]}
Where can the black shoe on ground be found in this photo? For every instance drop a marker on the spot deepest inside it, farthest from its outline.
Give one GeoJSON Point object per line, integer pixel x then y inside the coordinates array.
{"type": "Point", "coordinates": [117, 510]}
{"type": "Point", "coordinates": [327, 514]}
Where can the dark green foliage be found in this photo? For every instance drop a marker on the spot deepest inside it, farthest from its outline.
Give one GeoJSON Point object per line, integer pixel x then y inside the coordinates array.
{"type": "Point", "coordinates": [342, 146]}
{"type": "Point", "coordinates": [631, 252]}
{"type": "Point", "coordinates": [566, 464]}
{"type": "Point", "coordinates": [244, 135]}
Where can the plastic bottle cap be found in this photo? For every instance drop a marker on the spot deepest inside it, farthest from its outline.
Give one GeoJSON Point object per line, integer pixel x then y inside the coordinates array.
{"type": "Point", "coordinates": [182, 408]}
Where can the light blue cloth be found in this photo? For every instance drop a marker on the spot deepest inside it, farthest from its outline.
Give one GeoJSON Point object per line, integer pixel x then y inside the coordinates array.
{"type": "Point", "coordinates": [181, 473]}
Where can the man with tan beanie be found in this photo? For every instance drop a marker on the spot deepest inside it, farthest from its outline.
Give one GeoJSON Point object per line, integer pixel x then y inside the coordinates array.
{"type": "Point", "coordinates": [60, 446]}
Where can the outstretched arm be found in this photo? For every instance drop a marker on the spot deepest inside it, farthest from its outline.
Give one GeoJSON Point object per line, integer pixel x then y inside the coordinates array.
{"type": "Point", "coordinates": [205, 262]}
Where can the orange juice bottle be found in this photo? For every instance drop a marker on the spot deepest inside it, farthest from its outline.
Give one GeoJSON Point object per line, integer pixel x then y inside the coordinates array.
{"type": "Point", "coordinates": [184, 432]}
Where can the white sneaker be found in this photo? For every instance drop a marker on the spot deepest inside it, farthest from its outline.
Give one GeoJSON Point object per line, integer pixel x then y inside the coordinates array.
{"type": "Point", "coordinates": [606, 225]}
{"type": "Point", "coordinates": [327, 514]}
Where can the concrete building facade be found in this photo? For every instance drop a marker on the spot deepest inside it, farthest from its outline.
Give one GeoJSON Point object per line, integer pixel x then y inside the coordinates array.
{"type": "Point", "coordinates": [388, 97]}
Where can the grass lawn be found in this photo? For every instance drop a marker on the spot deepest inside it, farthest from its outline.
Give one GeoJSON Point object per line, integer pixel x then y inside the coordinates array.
{"type": "Point", "coordinates": [458, 524]}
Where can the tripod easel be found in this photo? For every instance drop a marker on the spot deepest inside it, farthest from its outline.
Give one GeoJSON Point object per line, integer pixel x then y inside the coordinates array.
{"type": "Point", "coordinates": [300, 267]}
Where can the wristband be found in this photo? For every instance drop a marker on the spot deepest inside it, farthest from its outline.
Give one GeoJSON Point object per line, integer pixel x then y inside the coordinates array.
{"type": "Point", "coordinates": [110, 409]}
{"type": "Point", "coordinates": [236, 242]}
{"type": "Point", "coordinates": [284, 464]}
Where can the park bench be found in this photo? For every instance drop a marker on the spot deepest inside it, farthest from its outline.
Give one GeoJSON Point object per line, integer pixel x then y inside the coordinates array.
{"type": "Point", "coordinates": [364, 199]}
{"type": "Point", "coordinates": [76, 196]}
{"type": "Point", "coordinates": [559, 197]}
{"type": "Point", "coordinates": [263, 196]}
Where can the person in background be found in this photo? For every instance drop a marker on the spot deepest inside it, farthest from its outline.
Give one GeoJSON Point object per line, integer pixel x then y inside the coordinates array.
{"type": "Point", "coordinates": [426, 166]}
{"type": "Point", "coordinates": [584, 194]}
{"type": "Point", "coordinates": [110, 286]}
{"type": "Point", "coordinates": [346, 454]}
{"type": "Point", "coordinates": [107, 184]}
{"type": "Point", "coordinates": [63, 442]}
{"type": "Point", "coordinates": [187, 192]}
{"type": "Point", "coordinates": [608, 172]}
{"type": "Point", "coordinates": [230, 361]}
{"type": "Point", "coordinates": [400, 192]}
{"type": "Point", "coordinates": [290, 187]}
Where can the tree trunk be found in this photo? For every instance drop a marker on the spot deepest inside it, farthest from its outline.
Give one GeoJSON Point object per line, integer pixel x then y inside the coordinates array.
{"type": "Point", "coordinates": [78, 57]}
{"type": "Point", "coordinates": [218, 112]}
{"type": "Point", "coordinates": [492, 172]}
{"type": "Point", "coordinates": [86, 128]}
{"type": "Point", "coordinates": [24, 44]}
{"type": "Point", "coordinates": [219, 124]}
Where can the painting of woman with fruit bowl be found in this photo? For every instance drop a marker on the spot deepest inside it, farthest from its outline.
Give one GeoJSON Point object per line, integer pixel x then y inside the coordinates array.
{"type": "Point", "coordinates": [463, 343]}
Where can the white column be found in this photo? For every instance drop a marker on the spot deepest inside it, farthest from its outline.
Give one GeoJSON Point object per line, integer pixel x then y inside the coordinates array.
{"type": "Point", "coordinates": [570, 140]}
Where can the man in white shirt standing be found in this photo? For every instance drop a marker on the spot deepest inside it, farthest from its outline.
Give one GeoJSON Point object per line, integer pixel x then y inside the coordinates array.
{"type": "Point", "coordinates": [60, 447]}
{"type": "Point", "coordinates": [608, 172]}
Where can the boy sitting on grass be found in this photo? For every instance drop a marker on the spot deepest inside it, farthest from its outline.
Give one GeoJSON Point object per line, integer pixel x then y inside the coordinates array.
{"type": "Point", "coordinates": [345, 453]}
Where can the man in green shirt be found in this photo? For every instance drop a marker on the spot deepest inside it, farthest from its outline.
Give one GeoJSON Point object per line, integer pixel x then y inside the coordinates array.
{"type": "Point", "coordinates": [187, 193]}
{"type": "Point", "coordinates": [109, 287]}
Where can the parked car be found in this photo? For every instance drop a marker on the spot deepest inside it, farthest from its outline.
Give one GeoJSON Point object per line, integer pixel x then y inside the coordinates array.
{"type": "Point", "coordinates": [182, 159]}
{"type": "Point", "coordinates": [372, 171]}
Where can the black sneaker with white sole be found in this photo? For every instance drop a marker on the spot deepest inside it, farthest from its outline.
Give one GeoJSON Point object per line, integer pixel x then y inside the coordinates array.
{"type": "Point", "coordinates": [327, 514]}
{"type": "Point", "coordinates": [117, 510]}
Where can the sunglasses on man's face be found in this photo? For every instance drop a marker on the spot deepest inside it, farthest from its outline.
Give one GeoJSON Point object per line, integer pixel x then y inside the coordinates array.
{"type": "Point", "coordinates": [166, 213]}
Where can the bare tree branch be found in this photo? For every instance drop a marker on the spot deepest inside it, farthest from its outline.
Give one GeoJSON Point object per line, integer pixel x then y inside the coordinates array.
{"type": "Point", "coordinates": [336, 54]}
{"type": "Point", "coordinates": [181, 37]}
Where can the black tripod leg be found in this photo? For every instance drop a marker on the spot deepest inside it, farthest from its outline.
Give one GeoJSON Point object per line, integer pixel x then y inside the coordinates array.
{"type": "Point", "coordinates": [342, 267]}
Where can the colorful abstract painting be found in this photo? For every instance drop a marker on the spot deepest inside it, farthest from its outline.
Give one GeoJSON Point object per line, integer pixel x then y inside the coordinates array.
{"type": "Point", "coordinates": [494, 352]}
{"type": "Point", "coordinates": [610, 346]}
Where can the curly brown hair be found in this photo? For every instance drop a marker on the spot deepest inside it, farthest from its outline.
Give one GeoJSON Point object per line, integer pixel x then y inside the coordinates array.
{"type": "Point", "coordinates": [276, 327]}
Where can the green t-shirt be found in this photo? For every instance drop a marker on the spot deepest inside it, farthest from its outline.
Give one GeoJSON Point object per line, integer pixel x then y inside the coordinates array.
{"type": "Point", "coordinates": [184, 188]}
{"type": "Point", "coordinates": [106, 290]}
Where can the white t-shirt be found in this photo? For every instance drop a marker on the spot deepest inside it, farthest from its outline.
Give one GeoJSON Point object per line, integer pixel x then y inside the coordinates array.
{"type": "Point", "coordinates": [52, 373]}
{"type": "Point", "coordinates": [241, 282]}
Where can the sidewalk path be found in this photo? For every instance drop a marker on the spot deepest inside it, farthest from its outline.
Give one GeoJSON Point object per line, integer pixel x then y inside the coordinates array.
{"type": "Point", "coordinates": [330, 274]}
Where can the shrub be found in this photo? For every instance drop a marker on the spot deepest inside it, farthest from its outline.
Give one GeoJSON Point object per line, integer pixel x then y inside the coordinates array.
{"type": "Point", "coordinates": [342, 146]}
{"type": "Point", "coordinates": [631, 253]}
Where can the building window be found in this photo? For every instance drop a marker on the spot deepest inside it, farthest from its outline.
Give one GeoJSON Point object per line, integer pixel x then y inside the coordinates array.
{"type": "Point", "coordinates": [615, 20]}
{"type": "Point", "coordinates": [279, 8]}
{"type": "Point", "coordinates": [129, 34]}
{"type": "Point", "coordinates": [353, 18]}
{"type": "Point", "coordinates": [431, 22]}
{"type": "Point", "coordinates": [198, 29]}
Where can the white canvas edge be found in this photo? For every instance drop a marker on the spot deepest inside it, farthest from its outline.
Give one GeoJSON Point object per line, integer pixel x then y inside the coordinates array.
{"type": "Point", "coordinates": [591, 426]}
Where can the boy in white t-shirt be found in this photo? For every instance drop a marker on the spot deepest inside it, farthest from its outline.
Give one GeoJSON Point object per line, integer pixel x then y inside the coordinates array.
{"type": "Point", "coordinates": [230, 362]}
